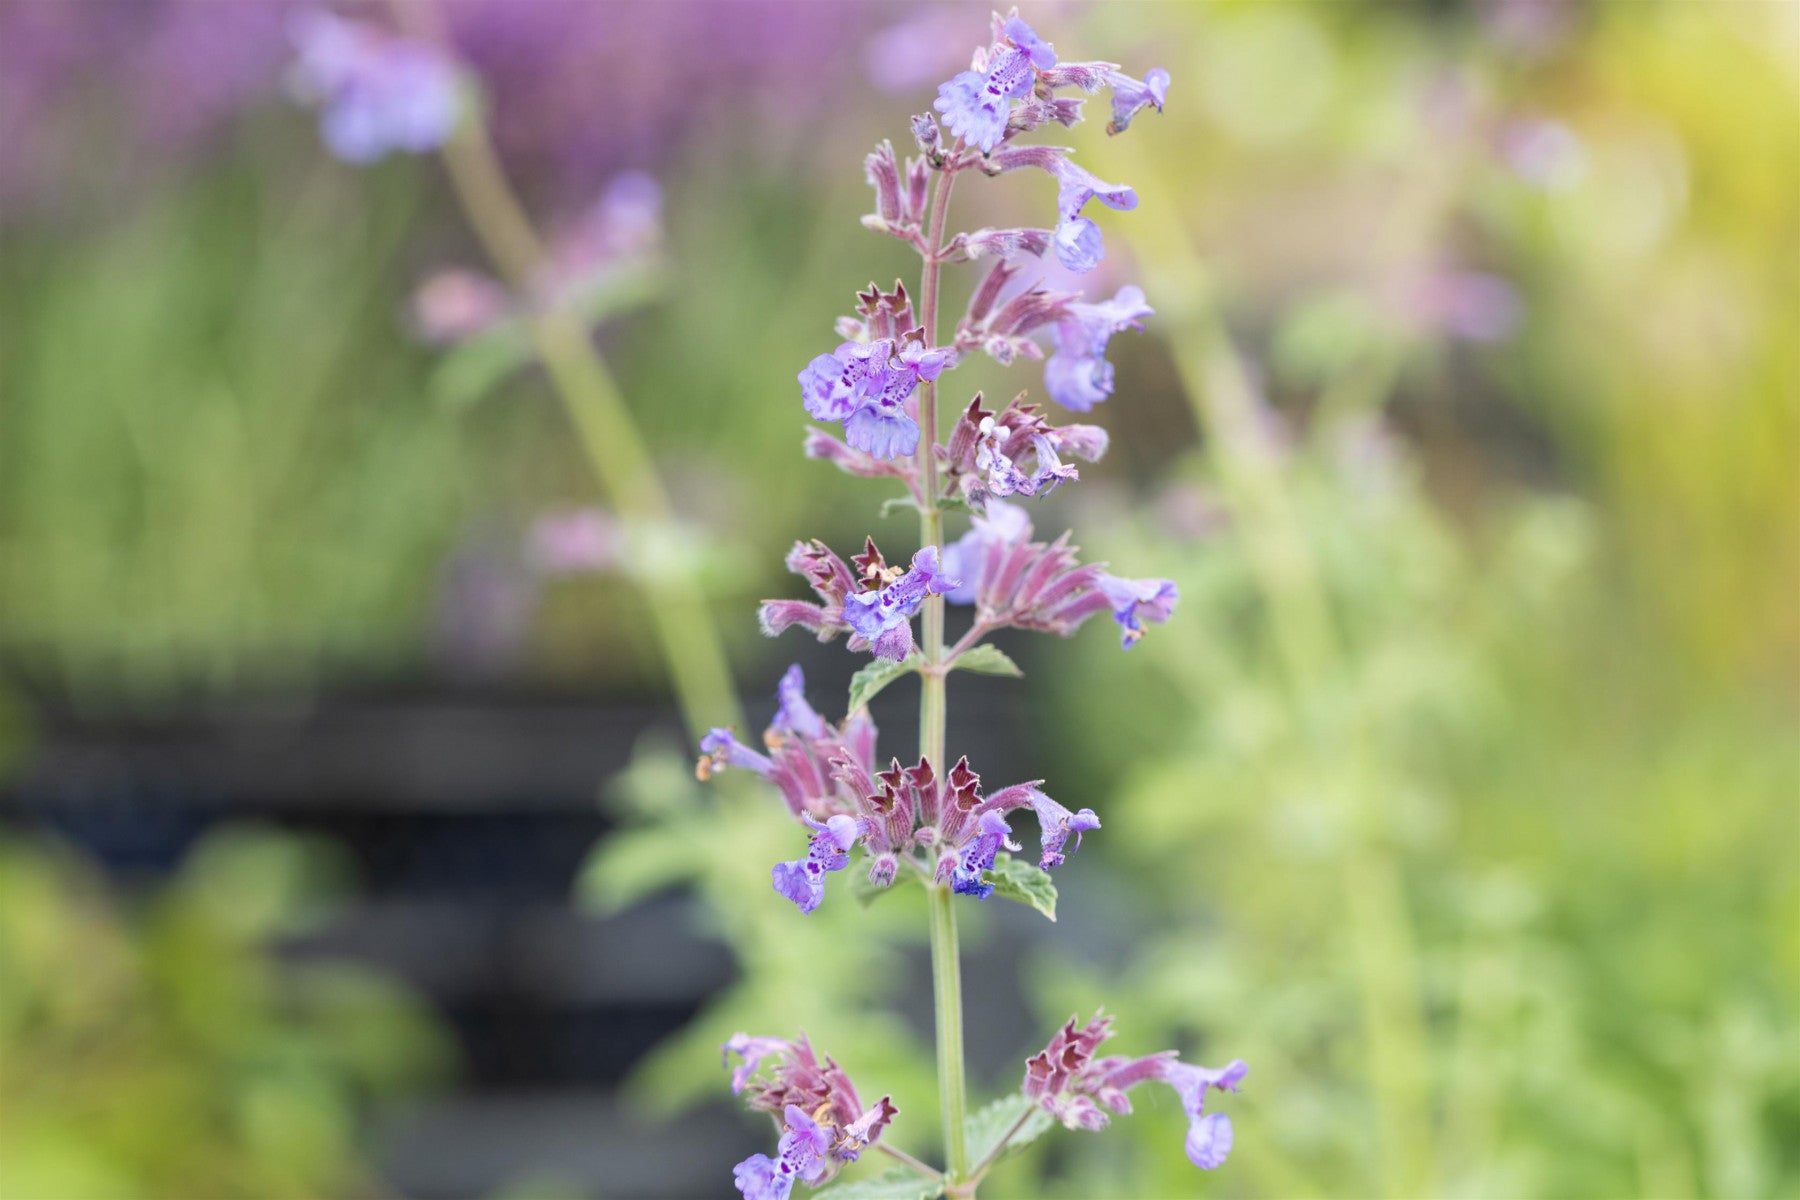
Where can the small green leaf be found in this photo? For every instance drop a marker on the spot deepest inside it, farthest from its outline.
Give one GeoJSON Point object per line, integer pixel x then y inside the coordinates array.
{"type": "Point", "coordinates": [987, 1125]}
{"type": "Point", "coordinates": [632, 864]}
{"type": "Point", "coordinates": [987, 659]}
{"type": "Point", "coordinates": [894, 504]}
{"type": "Point", "coordinates": [895, 1185]}
{"type": "Point", "coordinates": [470, 370]}
{"type": "Point", "coordinates": [1019, 880]}
{"type": "Point", "coordinates": [878, 674]}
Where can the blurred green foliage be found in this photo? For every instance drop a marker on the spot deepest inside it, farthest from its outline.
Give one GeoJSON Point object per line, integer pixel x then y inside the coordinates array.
{"type": "Point", "coordinates": [156, 1048]}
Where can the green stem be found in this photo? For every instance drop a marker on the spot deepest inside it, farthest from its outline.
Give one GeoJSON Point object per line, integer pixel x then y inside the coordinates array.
{"type": "Point", "coordinates": [684, 625]}
{"type": "Point", "coordinates": [946, 967]}
{"type": "Point", "coordinates": [946, 984]}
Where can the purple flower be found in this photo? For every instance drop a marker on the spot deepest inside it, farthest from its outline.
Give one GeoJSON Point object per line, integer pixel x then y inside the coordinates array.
{"type": "Point", "coordinates": [1002, 525]}
{"type": "Point", "coordinates": [1041, 53]}
{"type": "Point", "coordinates": [864, 1130]}
{"type": "Point", "coordinates": [866, 386]}
{"type": "Point", "coordinates": [795, 715]}
{"type": "Point", "coordinates": [1005, 477]}
{"type": "Point", "coordinates": [1209, 1134]}
{"type": "Point", "coordinates": [1135, 600]}
{"type": "Point", "coordinates": [977, 855]}
{"type": "Point", "coordinates": [832, 1126]}
{"type": "Point", "coordinates": [376, 93]}
{"type": "Point", "coordinates": [1058, 823]}
{"type": "Point", "coordinates": [1070, 1083]}
{"type": "Point", "coordinates": [1078, 243]}
{"type": "Point", "coordinates": [883, 617]}
{"type": "Point", "coordinates": [988, 454]}
{"type": "Point", "coordinates": [1077, 375]}
{"type": "Point", "coordinates": [1130, 95]}
{"type": "Point", "coordinates": [803, 880]}
{"type": "Point", "coordinates": [752, 1050]}
{"type": "Point", "coordinates": [801, 1154]}
{"type": "Point", "coordinates": [454, 304]}
{"type": "Point", "coordinates": [576, 541]}
{"type": "Point", "coordinates": [976, 103]}
{"type": "Point", "coordinates": [720, 749]}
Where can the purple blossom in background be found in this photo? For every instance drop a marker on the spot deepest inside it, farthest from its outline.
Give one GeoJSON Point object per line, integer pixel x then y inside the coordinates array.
{"type": "Point", "coordinates": [1543, 152]}
{"type": "Point", "coordinates": [376, 93]}
{"type": "Point", "coordinates": [455, 304]}
{"type": "Point", "coordinates": [576, 542]}
{"type": "Point", "coordinates": [1471, 305]}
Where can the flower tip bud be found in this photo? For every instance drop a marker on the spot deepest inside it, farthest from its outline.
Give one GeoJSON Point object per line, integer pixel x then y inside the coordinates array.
{"type": "Point", "coordinates": [882, 870]}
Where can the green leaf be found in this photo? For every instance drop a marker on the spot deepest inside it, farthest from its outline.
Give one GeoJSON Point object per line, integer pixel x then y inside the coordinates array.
{"type": "Point", "coordinates": [894, 504]}
{"type": "Point", "coordinates": [1025, 882]}
{"type": "Point", "coordinates": [987, 659]}
{"type": "Point", "coordinates": [895, 1185]}
{"type": "Point", "coordinates": [878, 674]}
{"type": "Point", "coordinates": [986, 1126]}
{"type": "Point", "coordinates": [471, 369]}
{"type": "Point", "coordinates": [632, 864]}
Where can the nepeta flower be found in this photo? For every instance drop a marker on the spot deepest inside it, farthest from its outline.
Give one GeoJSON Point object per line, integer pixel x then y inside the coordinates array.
{"type": "Point", "coordinates": [987, 454]}
{"type": "Point", "coordinates": [1130, 95]}
{"type": "Point", "coordinates": [977, 102]}
{"type": "Point", "coordinates": [837, 1127]}
{"type": "Point", "coordinates": [1078, 376]}
{"type": "Point", "coordinates": [803, 880]}
{"type": "Point", "coordinates": [800, 1155]}
{"type": "Point", "coordinates": [752, 1050]}
{"type": "Point", "coordinates": [1079, 246]}
{"type": "Point", "coordinates": [1209, 1134]}
{"type": "Point", "coordinates": [820, 769]}
{"type": "Point", "coordinates": [1077, 1089]}
{"type": "Point", "coordinates": [977, 855]}
{"type": "Point", "coordinates": [866, 386]}
{"type": "Point", "coordinates": [1058, 823]}
{"type": "Point", "coordinates": [883, 617]}
{"type": "Point", "coordinates": [1136, 600]}
{"type": "Point", "coordinates": [376, 93]}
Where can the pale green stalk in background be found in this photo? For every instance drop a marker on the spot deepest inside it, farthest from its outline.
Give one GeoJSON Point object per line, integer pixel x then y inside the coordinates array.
{"type": "Point", "coordinates": [685, 629]}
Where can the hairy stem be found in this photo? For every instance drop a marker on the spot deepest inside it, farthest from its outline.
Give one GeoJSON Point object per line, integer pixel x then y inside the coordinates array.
{"type": "Point", "coordinates": [684, 625]}
{"type": "Point", "coordinates": [901, 1156]}
{"type": "Point", "coordinates": [946, 967]}
{"type": "Point", "coordinates": [981, 1168]}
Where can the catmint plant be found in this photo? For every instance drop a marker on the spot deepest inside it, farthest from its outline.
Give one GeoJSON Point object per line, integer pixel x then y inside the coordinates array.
{"type": "Point", "coordinates": [934, 822]}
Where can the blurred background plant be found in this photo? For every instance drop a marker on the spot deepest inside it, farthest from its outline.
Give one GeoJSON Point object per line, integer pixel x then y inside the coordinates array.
{"type": "Point", "coordinates": [1460, 798]}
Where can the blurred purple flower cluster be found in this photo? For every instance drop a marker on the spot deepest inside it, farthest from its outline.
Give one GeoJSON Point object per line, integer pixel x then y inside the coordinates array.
{"type": "Point", "coordinates": [162, 78]}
